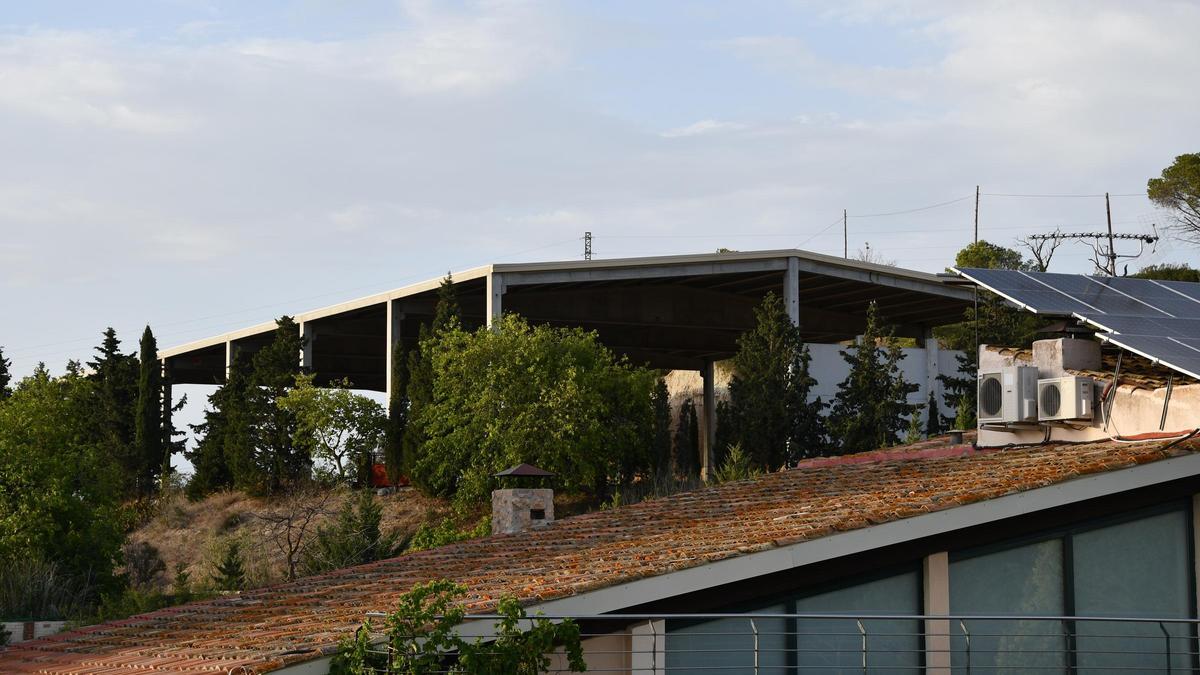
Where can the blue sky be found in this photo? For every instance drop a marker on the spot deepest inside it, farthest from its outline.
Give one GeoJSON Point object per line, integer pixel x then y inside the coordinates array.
{"type": "Point", "coordinates": [201, 166]}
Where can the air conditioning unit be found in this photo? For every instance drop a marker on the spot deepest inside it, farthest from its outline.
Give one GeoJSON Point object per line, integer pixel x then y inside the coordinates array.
{"type": "Point", "coordinates": [1008, 395]}
{"type": "Point", "coordinates": [1065, 398]}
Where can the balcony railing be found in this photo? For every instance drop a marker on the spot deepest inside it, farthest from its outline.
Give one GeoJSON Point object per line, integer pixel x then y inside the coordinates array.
{"type": "Point", "coordinates": [774, 644]}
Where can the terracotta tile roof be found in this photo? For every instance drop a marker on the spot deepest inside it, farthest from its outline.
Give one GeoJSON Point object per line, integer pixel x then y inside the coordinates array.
{"type": "Point", "coordinates": [271, 627]}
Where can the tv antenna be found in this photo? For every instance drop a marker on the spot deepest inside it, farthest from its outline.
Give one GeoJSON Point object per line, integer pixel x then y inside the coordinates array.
{"type": "Point", "coordinates": [1103, 244]}
{"type": "Point", "coordinates": [587, 245]}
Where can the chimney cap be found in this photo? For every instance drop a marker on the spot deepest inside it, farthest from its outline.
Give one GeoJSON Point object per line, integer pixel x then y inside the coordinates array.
{"type": "Point", "coordinates": [524, 471]}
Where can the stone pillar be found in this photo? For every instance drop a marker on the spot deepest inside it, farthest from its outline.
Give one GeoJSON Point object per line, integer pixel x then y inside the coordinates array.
{"type": "Point", "coordinates": [518, 509]}
{"type": "Point", "coordinates": [495, 298]}
{"type": "Point", "coordinates": [936, 570]}
{"type": "Point", "coordinates": [395, 319]}
{"type": "Point", "coordinates": [708, 421]}
{"type": "Point", "coordinates": [791, 290]}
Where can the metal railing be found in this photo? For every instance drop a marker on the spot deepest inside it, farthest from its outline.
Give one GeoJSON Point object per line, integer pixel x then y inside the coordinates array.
{"type": "Point", "coordinates": [774, 644]}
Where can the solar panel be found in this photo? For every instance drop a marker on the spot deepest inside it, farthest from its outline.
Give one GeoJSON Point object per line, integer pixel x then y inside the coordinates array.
{"type": "Point", "coordinates": [1079, 294]}
{"type": "Point", "coordinates": [1188, 288]}
{"type": "Point", "coordinates": [1173, 302]}
{"type": "Point", "coordinates": [1180, 354]}
{"type": "Point", "coordinates": [1159, 320]}
{"type": "Point", "coordinates": [1025, 291]}
{"type": "Point", "coordinates": [1138, 325]}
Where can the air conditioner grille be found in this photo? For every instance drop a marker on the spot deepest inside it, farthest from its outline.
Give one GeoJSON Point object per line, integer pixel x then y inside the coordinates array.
{"type": "Point", "coordinates": [1051, 400]}
{"type": "Point", "coordinates": [991, 396]}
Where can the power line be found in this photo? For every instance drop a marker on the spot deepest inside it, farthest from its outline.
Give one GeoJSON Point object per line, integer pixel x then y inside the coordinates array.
{"type": "Point", "coordinates": [919, 208]}
{"type": "Point", "coordinates": [1061, 196]}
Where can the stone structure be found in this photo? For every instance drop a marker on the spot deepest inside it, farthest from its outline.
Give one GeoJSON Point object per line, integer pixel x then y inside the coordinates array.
{"type": "Point", "coordinates": [518, 509]}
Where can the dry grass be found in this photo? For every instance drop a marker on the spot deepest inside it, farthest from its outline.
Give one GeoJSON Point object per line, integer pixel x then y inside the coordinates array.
{"type": "Point", "coordinates": [197, 533]}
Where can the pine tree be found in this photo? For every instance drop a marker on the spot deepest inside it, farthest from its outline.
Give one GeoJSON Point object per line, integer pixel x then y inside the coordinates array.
{"type": "Point", "coordinates": [446, 312]}
{"type": "Point", "coordinates": [420, 372]}
{"type": "Point", "coordinates": [397, 423]}
{"type": "Point", "coordinates": [5, 376]}
{"type": "Point", "coordinates": [871, 408]}
{"type": "Point", "coordinates": [114, 380]}
{"type": "Point", "coordinates": [769, 414]}
{"type": "Point", "coordinates": [230, 574]}
{"type": "Point", "coordinates": [687, 440]}
{"type": "Point", "coordinates": [660, 401]}
{"type": "Point", "coordinates": [273, 372]}
{"type": "Point", "coordinates": [148, 436]}
{"type": "Point", "coordinates": [240, 436]}
{"type": "Point", "coordinates": [210, 467]}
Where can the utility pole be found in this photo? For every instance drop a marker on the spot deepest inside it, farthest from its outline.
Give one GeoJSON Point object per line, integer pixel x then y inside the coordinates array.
{"type": "Point", "coordinates": [587, 245]}
{"type": "Point", "coordinates": [976, 214]}
{"type": "Point", "coordinates": [1112, 250]}
{"type": "Point", "coordinates": [845, 237]}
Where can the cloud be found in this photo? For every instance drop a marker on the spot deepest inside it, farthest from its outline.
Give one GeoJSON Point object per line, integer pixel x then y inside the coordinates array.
{"type": "Point", "coordinates": [702, 127]}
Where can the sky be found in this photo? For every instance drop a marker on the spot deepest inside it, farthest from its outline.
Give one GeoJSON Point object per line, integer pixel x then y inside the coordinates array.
{"type": "Point", "coordinates": [201, 166]}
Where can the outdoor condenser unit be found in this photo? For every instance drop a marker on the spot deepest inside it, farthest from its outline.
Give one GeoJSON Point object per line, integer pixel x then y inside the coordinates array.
{"type": "Point", "coordinates": [1065, 398]}
{"type": "Point", "coordinates": [1008, 395]}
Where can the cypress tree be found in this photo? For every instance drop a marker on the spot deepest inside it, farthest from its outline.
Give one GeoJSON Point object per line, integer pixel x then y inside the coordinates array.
{"type": "Point", "coordinates": [933, 420]}
{"type": "Point", "coordinates": [148, 437]}
{"type": "Point", "coordinates": [660, 401]}
{"type": "Point", "coordinates": [5, 376]}
{"type": "Point", "coordinates": [239, 434]}
{"type": "Point", "coordinates": [687, 440]}
{"type": "Point", "coordinates": [397, 422]}
{"type": "Point", "coordinates": [420, 372]}
{"type": "Point", "coordinates": [871, 409]}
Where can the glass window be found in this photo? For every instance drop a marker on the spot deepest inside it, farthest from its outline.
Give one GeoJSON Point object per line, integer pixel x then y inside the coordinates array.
{"type": "Point", "coordinates": [1134, 569]}
{"type": "Point", "coordinates": [836, 645]}
{"type": "Point", "coordinates": [727, 645]}
{"type": "Point", "coordinates": [1023, 581]}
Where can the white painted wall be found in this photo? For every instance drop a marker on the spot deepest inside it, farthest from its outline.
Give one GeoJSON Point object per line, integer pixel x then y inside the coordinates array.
{"type": "Point", "coordinates": [828, 368]}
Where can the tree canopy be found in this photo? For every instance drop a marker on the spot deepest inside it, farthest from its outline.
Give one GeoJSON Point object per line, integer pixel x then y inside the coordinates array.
{"type": "Point", "coordinates": [1168, 272]}
{"type": "Point", "coordinates": [337, 426]}
{"type": "Point", "coordinates": [768, 413]}
{"type": "Point", "coordinates": [553, 397]}
{"type": "Point", "coordinates": [871, 409]}
{"type": "Point", "coordinates": [1178, 190]}
{"type": "Point", "coordinates": [60, 491]}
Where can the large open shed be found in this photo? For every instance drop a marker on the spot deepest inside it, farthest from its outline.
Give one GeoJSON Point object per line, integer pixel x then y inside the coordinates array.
{"type": "Point", "coordinates": [671, 312]}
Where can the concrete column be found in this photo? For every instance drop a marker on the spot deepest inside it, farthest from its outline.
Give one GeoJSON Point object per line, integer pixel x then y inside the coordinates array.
{"type": "Point", "coordinates": [1196, 545]}
{"type": "Point", "coordinates": [495, 298]}
{"type": "Point", "coordinates": [931, 369]}
{"type": "Point", "coordinates": [394, 320]}
{"type": "Point", "coordinates": [708, 418]}
{"type": "Point", "coordinates": [228, 358]}
{"type": "Point", "coordinates": [167, 404]}
{"type": "Point", "coordinates": [791, 290]}
{"type": "Point", "coordinates": [648, 647]}
{"type": "Point", "coordinates": [308, 334]}
{"type": "Point", "coordinates": [936, 569]}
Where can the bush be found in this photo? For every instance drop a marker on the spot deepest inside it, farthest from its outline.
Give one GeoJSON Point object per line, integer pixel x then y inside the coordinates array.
{"type": "Point", "coordinates": [447, 532]}
{"type": "Point", "coordinates": [421, 638]}
{"type": "Point", "coordinates": [143, 565]}
{"type": "Point", "coordinates": [353, 538]}
{"type": "Point", "coordinates": [553, 397]}
{"type": "Point", "coordinates": [37, 590]}
{"type": "Point", "coordinates": [738, 465]}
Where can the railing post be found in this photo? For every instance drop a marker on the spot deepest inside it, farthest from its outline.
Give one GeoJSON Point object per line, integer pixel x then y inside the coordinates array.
{"type": "Point", "coordinates": [754, 629]}
{"type": "Point", "coordinates": [653, 648]}
{"type": "Point", "coordinates": [1167, 638]}
{"type": "Point", "coordinates": [863, 631]}
{"type": "Point", "coordinates": [967, 635]}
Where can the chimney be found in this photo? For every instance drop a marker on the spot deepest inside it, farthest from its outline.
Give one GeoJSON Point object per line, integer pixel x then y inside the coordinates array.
{"type": "Point", "coordinates": [516, 509]}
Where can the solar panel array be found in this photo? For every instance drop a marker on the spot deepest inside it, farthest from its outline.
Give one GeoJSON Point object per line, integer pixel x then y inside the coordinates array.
{"type": "Point", "coordinates": [1159, 320]}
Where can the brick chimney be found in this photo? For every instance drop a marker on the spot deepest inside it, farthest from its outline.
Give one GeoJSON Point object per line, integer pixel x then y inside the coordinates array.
{"type": "Point", "coordinates": [516, 509]}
